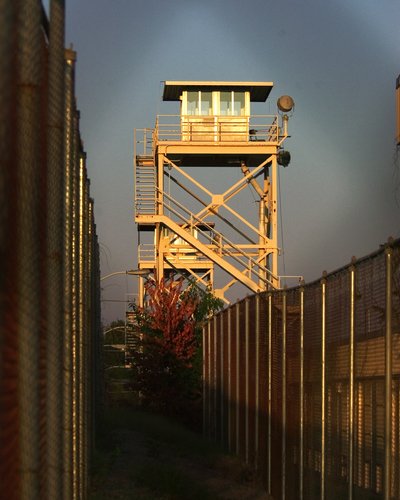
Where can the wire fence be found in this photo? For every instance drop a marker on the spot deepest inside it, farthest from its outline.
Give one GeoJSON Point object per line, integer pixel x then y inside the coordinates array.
{"type": "Point", "coordinates": [49, 264]}
{"type": "Point", "coordinates": [304, 383]}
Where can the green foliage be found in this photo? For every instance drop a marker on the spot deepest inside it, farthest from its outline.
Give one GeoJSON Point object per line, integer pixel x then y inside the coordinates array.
{"type": "Point", "coordinates": [115, 333]}
{"type": "Point", "coordinates": [113, 357]}
{"type": "Point", "coordinates": [208, 304]}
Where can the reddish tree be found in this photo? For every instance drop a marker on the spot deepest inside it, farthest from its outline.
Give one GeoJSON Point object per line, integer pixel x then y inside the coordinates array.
{"type": "Point", "coordinates": [166, 347]}
{"type": "Point", "coordinates": [166, 360]}
{"type": "Point", "coordinates": [170, 313]}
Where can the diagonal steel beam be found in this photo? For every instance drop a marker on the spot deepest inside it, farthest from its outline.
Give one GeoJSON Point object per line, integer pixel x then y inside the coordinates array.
{"type": "Point", "coordinates": [205, 250]}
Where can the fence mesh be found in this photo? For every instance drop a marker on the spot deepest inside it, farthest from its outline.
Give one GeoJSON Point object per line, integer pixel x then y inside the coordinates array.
{"type": "Point", "coordinates": [49, 308]}
{"type": "Point", "coordinates": [308, 383]}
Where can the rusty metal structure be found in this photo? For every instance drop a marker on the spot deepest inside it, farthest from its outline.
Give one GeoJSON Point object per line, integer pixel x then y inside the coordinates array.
{"type": "Point", "coordinates": [304, 383]}
{"type": "Point", "coordinates": [190, 227]}
{"type": "Point", "coordinates": [49, 264]}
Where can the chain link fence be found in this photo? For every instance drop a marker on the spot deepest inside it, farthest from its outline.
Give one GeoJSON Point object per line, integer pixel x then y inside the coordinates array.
{"type": "Point", "coordinates": [304, 383]}
{"type": "Point", "coordinates": [49, 264]}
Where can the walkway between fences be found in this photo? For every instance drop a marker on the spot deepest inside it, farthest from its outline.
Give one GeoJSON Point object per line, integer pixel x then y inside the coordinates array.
{"type": "Point", "coordinates": [49, 264]}
{"type": "Point", "coordinates": [304, 384]}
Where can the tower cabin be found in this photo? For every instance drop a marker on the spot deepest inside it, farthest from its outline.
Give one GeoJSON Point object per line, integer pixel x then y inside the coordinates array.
{"type": "Point", "coordinates": [215, 124]}
{"type": "Point", "coordinates": [215, 128]}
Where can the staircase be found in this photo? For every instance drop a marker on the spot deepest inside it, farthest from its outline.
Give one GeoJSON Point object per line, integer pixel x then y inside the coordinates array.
{"type": "Point", "coordinates": [181, 222]}
{"type": "Point", "coordinates": [145, 185]}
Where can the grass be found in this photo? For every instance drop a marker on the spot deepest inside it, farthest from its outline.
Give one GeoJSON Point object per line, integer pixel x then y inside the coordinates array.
{"type": "Point", "coordinates": [167, 481]}
{"type": "Point", "coordinates": [117, 373]}
{"type": "Point", "coordinates": [164, 461]}
{"type": "Point", "coordinates": [162, 430]}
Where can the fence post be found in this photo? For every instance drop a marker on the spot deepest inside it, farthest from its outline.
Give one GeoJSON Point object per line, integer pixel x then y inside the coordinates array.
{"type": "Point", "coordinates": [246, 331]}
{"type": "Point", "coordinates": [70, 58]}
{"type": "Point", "coordinates": [209, 377]}
{"type": "Point", "coordinates": [388, 374]}
{"type": "Point", "coordinates": [351, 384]}
{"type": "Point", "coordinates": [301, 461]}
{"type": "Point", "coordinates": [237, 378]}
{"type": "Point", "coordinates": [82, 329]}
{"type": "Point", "coordinates": [28, 281]}
{"type": "Point", "coordinates": [54, 261]}
{"type": "Point", "coordinates": [229, 380]}
{"type": "Point", "coordinates": [283, 451]}
{"type": "Point", "coordinates": [323, 381]}
{"type": "Point", "coordinates": [257, 402]}
{"type": "Point", "coordinates": [90, 326]}
{"type": "Point", "coordinates": [222, 391]}
{"type": "Point", "coordinates": [269, 390]}
{"type": "Point", "coordinates": [215, 382]}
{"type": "Point", "coordinates": [204, 381]}
{"type": "Point", "coordinates": [9, 422]}
{"type": "Point", "coordinates": [75, 307]}
{"type": "Point", "coordinates": [87, 340]}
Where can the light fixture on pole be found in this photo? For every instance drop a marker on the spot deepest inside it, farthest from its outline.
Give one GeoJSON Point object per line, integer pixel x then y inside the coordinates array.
{"type": "Point", "coordinates": [131, 272]}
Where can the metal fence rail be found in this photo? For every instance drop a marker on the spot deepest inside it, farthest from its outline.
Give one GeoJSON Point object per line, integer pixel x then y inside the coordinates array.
{"type": "Point", "coordinates": [304, 384]}
{"type": "Point", "coordinates": [49, 264]}
{"type": "Point", "coordinates": [215, 128]}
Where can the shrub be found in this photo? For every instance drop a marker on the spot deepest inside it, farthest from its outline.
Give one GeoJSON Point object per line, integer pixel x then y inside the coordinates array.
{"type": "Point", "coordinates": [166, 359]}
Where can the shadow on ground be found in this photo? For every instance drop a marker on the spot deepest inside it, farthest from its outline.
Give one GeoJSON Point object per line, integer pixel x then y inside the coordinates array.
{"type": "Point", "coordinates": [145, 456]}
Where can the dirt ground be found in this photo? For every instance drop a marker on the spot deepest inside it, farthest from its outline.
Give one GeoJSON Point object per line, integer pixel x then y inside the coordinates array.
{"type": "Point", "coordinates": [143, 467]}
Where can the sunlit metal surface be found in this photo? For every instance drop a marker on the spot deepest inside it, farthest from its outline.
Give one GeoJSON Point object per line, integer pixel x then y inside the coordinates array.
{"type": "Point", "coordinates": [388, 376]}
{"type": "Point", "coordinates": [329, 370]}
{"type": "Point", "coordinates": [193, 239]}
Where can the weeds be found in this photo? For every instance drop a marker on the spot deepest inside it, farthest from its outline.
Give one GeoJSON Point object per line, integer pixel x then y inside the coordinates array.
{"type": "Point", "coordinates": [162, 430]}
{"type": "Point", "coordinates": [168, 481]}
{"type": "Point", "coordinates": [148, 457]}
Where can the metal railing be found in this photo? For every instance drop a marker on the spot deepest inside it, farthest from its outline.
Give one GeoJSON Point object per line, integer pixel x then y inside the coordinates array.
{"type": "Point", "coordinates": [143, 140]}
{"type": "Point", "coordinates": [217, 128]}
{"type": "Point", "coordinates": [177, 128]}
{"type": "Point", "coordinates": [145, 176]}
{"type": "Point", "coordinates": [146, 252]}
{"type": "Point", "coordinates": [304, 383]}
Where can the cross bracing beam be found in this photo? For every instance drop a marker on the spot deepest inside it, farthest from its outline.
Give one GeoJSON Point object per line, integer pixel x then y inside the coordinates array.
{"type": "Point", "coordinates": [212, 209]}
{"type": "Point", "coordinates": [230, 249]}
{"type": "Point", "coordinates": [213, 256]}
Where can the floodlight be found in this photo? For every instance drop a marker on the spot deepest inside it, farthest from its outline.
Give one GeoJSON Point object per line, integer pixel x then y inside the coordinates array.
{"type": "Point", "coordinates": [285, 103]}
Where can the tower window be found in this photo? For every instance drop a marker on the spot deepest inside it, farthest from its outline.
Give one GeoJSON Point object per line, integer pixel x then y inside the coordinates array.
{"type": "Point", "coordinates": [199, 103]}
{"type": "Point", "coordinates": [232, 103]}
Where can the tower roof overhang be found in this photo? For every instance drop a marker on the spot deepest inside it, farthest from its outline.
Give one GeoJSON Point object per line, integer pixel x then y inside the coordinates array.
{"type": "Point", "coordinates": [259, 91]}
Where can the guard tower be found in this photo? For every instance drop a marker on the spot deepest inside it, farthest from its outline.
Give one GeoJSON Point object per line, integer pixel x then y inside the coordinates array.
{"type": "Point", "coordinates": [187, 225]}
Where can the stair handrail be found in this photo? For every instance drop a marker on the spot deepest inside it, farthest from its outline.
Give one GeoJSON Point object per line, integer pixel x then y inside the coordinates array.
{"type": "Point", "coordinates": [144, 137]}
{"type": "Point", "coordinates": [254, 263]}
{"type": "Point", "coordinates": [150, 203]}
